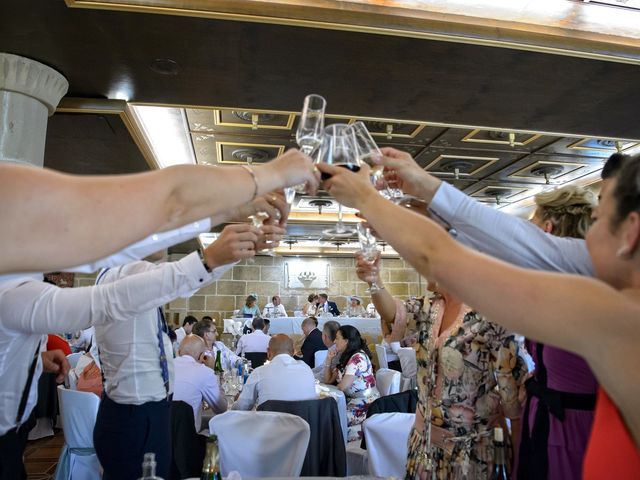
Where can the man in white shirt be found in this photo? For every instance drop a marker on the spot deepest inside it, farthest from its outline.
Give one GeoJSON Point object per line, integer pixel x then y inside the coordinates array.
{"type": "Point", "coordinates": [186, 328]}
{"type": "Point", "coordinates": [206, 330]}
{"type": "Point", "coordinates": [283, 378]}
{"type": "Point", "coordinates": [195, 381]}
{"type": "Point", "coordinates": [133, 418]}
{"type": "Point", "coordinates": [274, 308]}
{"type": "Point", "coordinates": [258, 341]}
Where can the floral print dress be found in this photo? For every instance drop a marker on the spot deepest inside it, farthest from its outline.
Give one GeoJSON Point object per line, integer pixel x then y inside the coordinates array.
{"type": "Point", "coordinates": [478, 370]}
{"type": "Point", "coordinates": [360, 394]}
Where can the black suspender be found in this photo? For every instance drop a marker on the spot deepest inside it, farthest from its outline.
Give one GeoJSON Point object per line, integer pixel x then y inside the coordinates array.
{"type": "Point", "coordinates": [27, 387]}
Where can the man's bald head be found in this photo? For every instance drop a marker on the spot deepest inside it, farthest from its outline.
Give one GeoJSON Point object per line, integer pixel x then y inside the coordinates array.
{"type": "Point", "coordinates": [193, 346]}
{"type": "Point", "coordinates": [279, 344]}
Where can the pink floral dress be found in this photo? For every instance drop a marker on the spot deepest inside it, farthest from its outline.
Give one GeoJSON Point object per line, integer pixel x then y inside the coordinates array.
{"type": "Point", "coordinates": [478, 370]}
{"type": "Point", "coordinates": [360, 394]}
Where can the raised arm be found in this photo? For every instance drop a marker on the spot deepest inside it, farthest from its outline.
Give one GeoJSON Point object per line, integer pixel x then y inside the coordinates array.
{"type": "Point", "coordinates": [53, 220]}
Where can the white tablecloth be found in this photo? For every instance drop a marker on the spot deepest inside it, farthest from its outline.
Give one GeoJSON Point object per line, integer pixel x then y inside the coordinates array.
{"type": "Point", "coordinates": [292, 325]}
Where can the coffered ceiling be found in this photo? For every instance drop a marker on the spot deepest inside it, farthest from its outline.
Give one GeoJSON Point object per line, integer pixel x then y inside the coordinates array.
{"type": "Point", "coordinates": [499, 123]}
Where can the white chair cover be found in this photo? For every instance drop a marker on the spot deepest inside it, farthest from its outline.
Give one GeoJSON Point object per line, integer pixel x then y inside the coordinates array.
{"type": "Point", "coordinates": [229, 326]}
{"type": "Point", "coordinates": [261, 444]}
{"type": "Point", "coordinates": [73, 358]}
{"type": "Point", "coordinates": [357, 463]}
{"type": "Point", "coordinates": [238, 327]}
{"type": "Point", "coordinates": [320, 357]}
{"type": "Point", "coordinates": [388, 381]}
{"type": "Point", "coordinates": [381, 352]}
{"type": "Point", "coordinates": [409, 366]}
{"type": "Point", "coordinates": [78, 459]}
{"type": "Point", "coordinates": [387, 435]}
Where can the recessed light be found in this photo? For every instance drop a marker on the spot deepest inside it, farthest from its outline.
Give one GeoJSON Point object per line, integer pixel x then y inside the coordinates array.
{"type": "Point", "coordinates": [165, 66]}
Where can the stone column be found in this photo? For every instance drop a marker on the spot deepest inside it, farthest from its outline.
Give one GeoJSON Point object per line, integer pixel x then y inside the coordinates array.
{"type": "Point", "coordinates": [29, 93]}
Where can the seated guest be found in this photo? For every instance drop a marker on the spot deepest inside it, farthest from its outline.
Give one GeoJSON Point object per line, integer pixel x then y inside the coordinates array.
{"type": "Point", "coordinates": [326, 306]}
{"type": "Point", "coordinates": [87, 375]}
{"type": "Point", "coordinates": [354, 375]}
{"type": "Point", "coordinates": [258, 341]}
{"type": "Point", "coordinates": [309, 308]}
{"type": "Point", "coordinates": [195, 381]}
{"type": "Point", "coordinates": [312, 341]}
{"type": "Point", "coordinates": [355, 308]}
{"type": "Point", "coordinates": [329, 330]}
{"type": "Point", "coordinates": [283, 378]}
{"type": "Point", "coordinates": [250, 308]}
{"type": "Point", "coordinates": [274, 308]}
{"type": "Point", "coordinates": [206, 330]}
{"type": "Point", "coordinates": [210, 318]}
{"type": "Point", "coordinates": [186, 328]}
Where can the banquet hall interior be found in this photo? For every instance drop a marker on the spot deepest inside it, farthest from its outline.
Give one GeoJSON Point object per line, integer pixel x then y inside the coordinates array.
{"type": "Point", "coordinates": [498, 102]}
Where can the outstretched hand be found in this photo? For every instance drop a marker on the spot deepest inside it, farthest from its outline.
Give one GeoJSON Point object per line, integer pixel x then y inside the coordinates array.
{"type": "Point", "coordinates": [236, 242]}
{"type": "Point", "coordinates": [55, 361]}
{"type": "Point", "coordinates": [349, 188]}
{"type": "Point", "coordinates": [401, 171]}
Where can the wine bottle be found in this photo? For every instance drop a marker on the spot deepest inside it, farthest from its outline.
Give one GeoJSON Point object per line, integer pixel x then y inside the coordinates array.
{"type": "Point", "coordinates": [149, 467]}
{"type": "Point", "coordinates": [499, 459]}
{"type": "Point", "coordinates": [217, 367]}
{"type": "Point", "coordinates": [211, 463]}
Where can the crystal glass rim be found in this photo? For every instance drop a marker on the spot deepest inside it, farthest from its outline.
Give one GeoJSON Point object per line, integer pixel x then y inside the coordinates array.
{"type": "Point", "coordinates": [310, 99]}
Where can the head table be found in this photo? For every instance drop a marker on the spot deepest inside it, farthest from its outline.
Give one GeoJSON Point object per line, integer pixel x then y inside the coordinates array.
{"type": "Point", "coordinates": [293, 325]}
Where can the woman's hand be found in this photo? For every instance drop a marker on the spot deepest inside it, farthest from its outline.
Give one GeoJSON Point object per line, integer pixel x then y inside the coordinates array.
{"type": "Point", "coordinates": [294, 168]}
{"type": "Point", "coordinates": [349, 188]}
{"type": "Point", "coordinates": [401, 171]}
{"type": "Point", "coordinates": [367, 271]}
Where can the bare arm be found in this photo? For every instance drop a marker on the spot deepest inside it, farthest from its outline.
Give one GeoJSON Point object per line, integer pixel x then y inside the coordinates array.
{"type": "Point", "coordinates": [562, 310]}
{"type": "Point", "coordinates": [55, 220]}
{"type": "Point", "coordinates": [382, 299]}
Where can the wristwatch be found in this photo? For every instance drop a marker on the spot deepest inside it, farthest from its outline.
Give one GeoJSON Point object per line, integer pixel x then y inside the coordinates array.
{"type": "Point", "coordinates": [204, 263]}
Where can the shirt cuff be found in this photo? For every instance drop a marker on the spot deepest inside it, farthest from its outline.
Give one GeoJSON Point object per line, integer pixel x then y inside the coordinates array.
{"type": "Point", "coordinates": [446, 201]}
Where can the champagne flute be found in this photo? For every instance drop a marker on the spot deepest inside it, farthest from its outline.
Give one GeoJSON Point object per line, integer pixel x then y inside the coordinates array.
{"type": "Point", "coordinates": [257, 220]}
{"type": "Point", "coordinates": [338, 148]}
{"type": "Point", "coordinates": [369, 153]}
{"type": "Point", "coordinates": [308, 135]}
{"type": "Point", "coordinates": [369, 251]}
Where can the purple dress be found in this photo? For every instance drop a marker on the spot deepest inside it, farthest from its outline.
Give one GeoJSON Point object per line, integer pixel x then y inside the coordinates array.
{"type": "Point", "coordinates": [560, 404]}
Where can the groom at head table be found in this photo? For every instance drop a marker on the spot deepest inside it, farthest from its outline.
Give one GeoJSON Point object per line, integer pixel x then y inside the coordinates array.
{"type": "Point", "coordinates": [326, 305]}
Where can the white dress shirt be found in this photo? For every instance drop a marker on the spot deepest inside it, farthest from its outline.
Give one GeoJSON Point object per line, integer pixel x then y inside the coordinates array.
{"type": "Point", "coordinates": [129, 352]}
{"type": "Point", "coordinates": [83, 341]}
{"type": "Point", "coordinates": [195, 382]}
{"type": "Point", "coordinates": [507, 237]}
{"type": "Point", "coordinates": [283, 378]}
{"type": "Point", "coordinates": [271, 309]}
{"type": "Point", "coordinates": [180, 334]}
{"type": "Point", "coordinates": [228, 359]}
{"type": "Point", "coordinates": [257, 341]}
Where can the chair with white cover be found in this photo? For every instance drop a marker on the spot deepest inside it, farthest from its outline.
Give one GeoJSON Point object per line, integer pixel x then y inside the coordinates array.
{"type": "Point", "coordinates": [261, 444]}
{"type": "Point", "coordinates": [388, 381]}
{"type": "Point", "coordinates": [387, 437]}
{"type": "Point", "coordinates": [320, 357]}
{"type": "Point", "coordinates": [381, 353]}
{"type": "Point", "coordinates": [73, 358]}
{"type": "Point", "coordinates": [229, 326]}
{"type": "Point", "coordinates": [78, 459]}
{"type": "Point", "coordinates": [409, 366]}
{"type": "Point", "coordinates": [237, 329]}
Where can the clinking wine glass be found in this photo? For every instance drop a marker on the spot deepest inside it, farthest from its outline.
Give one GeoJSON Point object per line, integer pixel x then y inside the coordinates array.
{"type": "Point", "coordinates": [338, 148]}
{"type": "Point", "coordinates": [309, 135]}
{"type": "Point", "coordinates": [369, 251]}
{"type": "Point", "coordinates": [369, 153]}
{"type": "Point", "coordinates": [257, 220]}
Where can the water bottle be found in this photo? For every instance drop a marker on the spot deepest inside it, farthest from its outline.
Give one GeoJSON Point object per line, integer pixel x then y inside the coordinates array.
{"type": "Point", "coordinates": [149, 467]}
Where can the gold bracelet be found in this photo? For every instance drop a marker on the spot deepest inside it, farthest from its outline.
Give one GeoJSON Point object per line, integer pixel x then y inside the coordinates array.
{"type": "Point", "coordinates": [255, 181]}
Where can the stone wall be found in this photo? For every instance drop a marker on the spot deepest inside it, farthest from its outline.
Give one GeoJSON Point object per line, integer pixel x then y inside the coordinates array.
{"type": "Point", "coordinates": [266, 277]}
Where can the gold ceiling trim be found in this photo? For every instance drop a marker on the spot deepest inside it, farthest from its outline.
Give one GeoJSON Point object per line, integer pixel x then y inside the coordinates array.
{"type": "Point", "coordinates": [219, 146]}
{"type": "Point", "coordinates": [579, 145]}
{"type": "Point", "coordinates": [470, 137]}
{"type": "Point", "coordinates": [530, 167]}
{"type": "Point", "coordinates": [112, 107]}
{"type": "Point", "coordinates": [217, 120]}
{"type": "Point", "coordinates": [584, 136]}
{"type": "Point", "coordinates": [488, 162]}
{"type": "Point", "coordinates": [419, 127]}
{"type": "Point", "coordinates": [382, 19]}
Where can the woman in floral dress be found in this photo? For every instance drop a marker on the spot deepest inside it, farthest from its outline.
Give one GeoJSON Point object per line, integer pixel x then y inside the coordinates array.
{"type": "Point", "coordinates": [355, 378]}
{"type": "Point", "coordinates": [469, 377]}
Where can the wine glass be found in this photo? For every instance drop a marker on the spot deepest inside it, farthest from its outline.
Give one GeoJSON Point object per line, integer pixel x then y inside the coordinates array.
{"type": "Point", "coordinates": [338, 148]}
{"type": "Point", "coordinates": [257, 220]}
{"type": "Point", "coordinates": [369, 251]}
{"type": "Point", "coordinates": [369, 153]}
{"type": "Point", "coordinates": [308, 135]}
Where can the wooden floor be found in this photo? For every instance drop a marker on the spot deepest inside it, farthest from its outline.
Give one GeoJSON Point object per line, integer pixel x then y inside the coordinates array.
{"type": "Point", "coordinates": [41, 456]}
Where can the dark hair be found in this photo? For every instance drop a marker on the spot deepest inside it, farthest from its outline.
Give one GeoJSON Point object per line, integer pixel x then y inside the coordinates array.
{"type": "Point", "coordinates": [190, 319]}
{"type": "Point", "coordinates": [323, 295]}
{"type": "Point", "coordinates": [207, 317]}
{"type": "Point", "coordinates": [201, 327]}
{"type": "Point", "coordinates": [613, 165]}
{"type": "Point", "coordinates": [330, 329]}
{"type": "Point", "coordinates": [172, 334]}
{"type": "Point", "coordinates": [355, 344]}
{"type": "Point", "coordinates": [627, 191]}
{"type": "Point", "coordinates": [258, 323]}
{"type": "Point", "coordinates": [274, 298]}
{"type": "Point", "coordinates": [250, 298]}
{"type": "Point", "coordinates": [311, 297]}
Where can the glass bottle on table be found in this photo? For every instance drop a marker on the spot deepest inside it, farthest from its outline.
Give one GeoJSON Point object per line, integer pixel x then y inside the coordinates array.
{"type": "Point", "coordinates": [217, 366]}
{"type": "Point", "coordinates": [211, 463]}
{"type": "Point", "coordinates": [149, 467]}
{"type": "Point", "coordinates": [499, 458]}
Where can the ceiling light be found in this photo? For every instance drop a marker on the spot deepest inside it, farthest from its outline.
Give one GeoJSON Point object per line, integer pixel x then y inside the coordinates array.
{"type": "Point", "coordinates": [167, 133]}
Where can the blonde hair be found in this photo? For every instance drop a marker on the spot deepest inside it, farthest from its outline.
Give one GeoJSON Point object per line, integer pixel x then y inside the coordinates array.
{"type": "Point", "coordinates": [568, 209]}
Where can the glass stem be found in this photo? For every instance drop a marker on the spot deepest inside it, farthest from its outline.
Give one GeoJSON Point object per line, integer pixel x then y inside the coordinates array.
{"type": "Point", "coordinates": [340, 226]}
